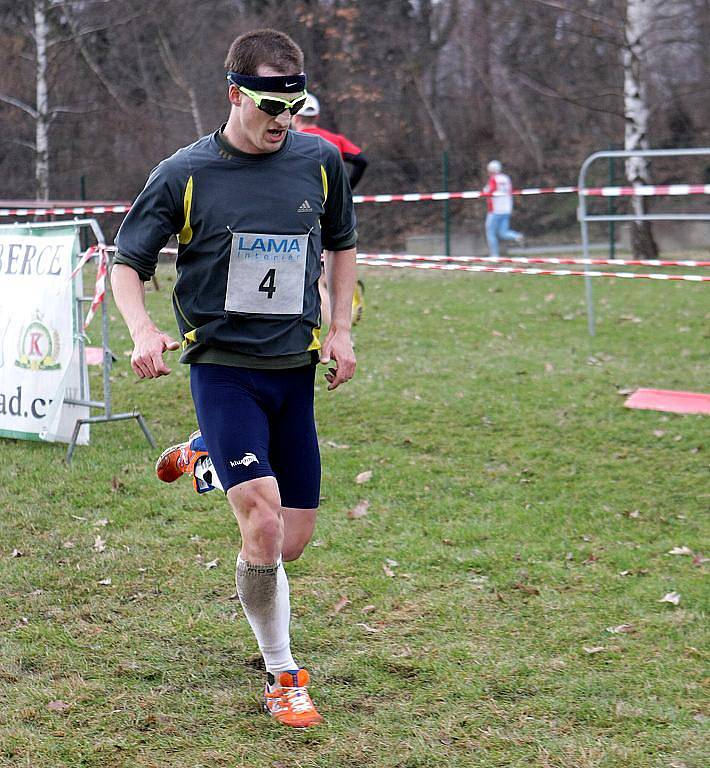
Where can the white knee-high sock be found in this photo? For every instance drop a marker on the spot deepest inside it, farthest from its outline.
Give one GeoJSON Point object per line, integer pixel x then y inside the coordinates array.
{"type": "Point", "coordinates": [264, 595]}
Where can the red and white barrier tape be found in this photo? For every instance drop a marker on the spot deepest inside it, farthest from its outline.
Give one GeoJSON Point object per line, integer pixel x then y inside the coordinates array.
{"type": "Point", "coordinates": [532, 260]}
{"type": "Point", "coordinates": [521, 271]}
{"type": "Point", "coordinates": [100, 284]}
{"type": "Point", "coordinates": [472, 194]}
{"type": "Point", "coordinates": [65, 210]}
{"type": "Point", "coordinates": [88, 254]}
{"type": "Point", "coordinates": [641, 190]}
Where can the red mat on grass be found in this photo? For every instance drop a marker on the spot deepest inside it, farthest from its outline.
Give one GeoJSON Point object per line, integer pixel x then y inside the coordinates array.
{"type": "Point", "coordinates": [669, 400]}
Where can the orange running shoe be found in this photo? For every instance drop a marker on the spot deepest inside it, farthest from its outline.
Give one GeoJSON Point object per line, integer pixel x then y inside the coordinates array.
{"type": "Point", "coordinates": [180, 459]}
{"type": "Point", "coordinates": [288, 701]}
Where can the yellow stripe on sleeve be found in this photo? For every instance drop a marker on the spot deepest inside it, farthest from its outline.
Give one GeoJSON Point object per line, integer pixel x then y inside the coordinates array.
{"type": "Point", "coordinates": [186, 232]}
{"type": "Point", "coordinates": [324, 177]}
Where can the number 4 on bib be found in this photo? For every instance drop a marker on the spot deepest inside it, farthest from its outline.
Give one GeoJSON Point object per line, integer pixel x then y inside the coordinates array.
{"type": "Point", "coordinates": [268, 284]}
{"type": "Point", "coordinates": [267, 274]}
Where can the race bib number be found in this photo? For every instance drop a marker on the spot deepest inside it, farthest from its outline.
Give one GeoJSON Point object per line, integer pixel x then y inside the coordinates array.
{"type": "Point", "coordinates": [267, 274]}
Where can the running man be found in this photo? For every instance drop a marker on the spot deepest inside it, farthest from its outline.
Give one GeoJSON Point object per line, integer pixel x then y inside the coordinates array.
{"type": "Point", "coordinates": [500, 207]}
{"type": "Point", "coordinates": [253, 205]}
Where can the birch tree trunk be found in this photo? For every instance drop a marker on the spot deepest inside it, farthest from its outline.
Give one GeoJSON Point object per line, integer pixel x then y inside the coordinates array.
{"type": "Point", "coordinates": [181, 81]}
{"type": "Point", "coordinates": [43, 115]}
{"type": "Point", "coordinates": [639, 18]}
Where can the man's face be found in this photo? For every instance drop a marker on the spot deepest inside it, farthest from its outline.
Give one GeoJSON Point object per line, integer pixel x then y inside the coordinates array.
{"type": "Point", "coordinates": [258, 132]}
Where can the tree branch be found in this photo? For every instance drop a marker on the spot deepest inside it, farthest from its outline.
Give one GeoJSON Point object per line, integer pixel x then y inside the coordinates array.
{"type": "Point", "coordinates": [561, 6]}
{"type": "Point", "coordinates": [20, 105]}
{"type": "Point", "coordinates": [552, 93]}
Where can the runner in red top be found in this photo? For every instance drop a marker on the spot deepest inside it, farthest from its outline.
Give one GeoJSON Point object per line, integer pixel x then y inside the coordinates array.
{"type": "Point", "coordinates": [306, 121]}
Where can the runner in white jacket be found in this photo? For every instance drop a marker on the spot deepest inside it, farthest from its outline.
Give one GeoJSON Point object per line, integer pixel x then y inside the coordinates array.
{"type": "Point", "coordinates": [500, 206]}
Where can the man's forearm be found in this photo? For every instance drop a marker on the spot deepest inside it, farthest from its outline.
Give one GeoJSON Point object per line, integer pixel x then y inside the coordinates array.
{"type": "Point", "coordinates": [129, 295]}
{"type": "Point", "coordinates": [341, 269]}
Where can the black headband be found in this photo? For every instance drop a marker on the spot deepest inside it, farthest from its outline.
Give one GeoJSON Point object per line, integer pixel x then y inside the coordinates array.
{"type": "Point", "coordinates": [277, 84]}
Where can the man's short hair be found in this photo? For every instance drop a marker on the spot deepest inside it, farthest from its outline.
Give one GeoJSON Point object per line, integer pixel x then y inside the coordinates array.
{"type": "Point", "coordinates": [264, 47]}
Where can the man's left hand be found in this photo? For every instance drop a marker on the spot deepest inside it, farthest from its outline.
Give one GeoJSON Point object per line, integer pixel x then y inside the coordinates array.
{"type": "Point", "coordinates": [338, 348]}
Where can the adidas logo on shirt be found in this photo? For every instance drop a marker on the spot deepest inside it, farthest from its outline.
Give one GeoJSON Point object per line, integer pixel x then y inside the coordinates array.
{"type": "Point", "coordinates": [304, 207]}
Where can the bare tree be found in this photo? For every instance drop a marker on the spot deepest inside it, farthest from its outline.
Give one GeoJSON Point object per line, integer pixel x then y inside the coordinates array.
{"type": "Point", "coordinates": [173, 68]}
{"type": "Point", "coordinates": [40, 111]}
{"type": "Point", "coordinates": [639, 23]}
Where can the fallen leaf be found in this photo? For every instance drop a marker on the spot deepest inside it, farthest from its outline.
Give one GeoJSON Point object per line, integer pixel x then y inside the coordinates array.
{"type": "Point", "coordinates": [527, 588]}
{"type": "Point", "coordinates": [68, 545]}
{"type": "Point", "coordinates": [212, 564]}
{"type": "Point", "coordinates": [367, 627]}
{"type": "Point", "coordinates": [625, 391]}
{"type": "Point", "coordinates": [388, 571]}
{"type": "Point", "coordinates": [99, 544]}
{"type": "Point", "coordinates": [116, 484]}
{"type": "Point", "coordinates": [699, 560]}
{"type": "Point", "coordinates": [16, 553]}
{"type": "Point", "coordinates": [340, 605]}
{"type": "Point", "coordinates": [333, 444]}
{"type": "Point", "coordinates": [625, 573]}
{"type": "Point", "coordinates": [621, 629]}
{"type": "Point", "coordinates": [549, 367]}
{"type": "Point", "coordinates": [58, 706]}
{"type": "Point", "coordinates": [549, 297]}
{"type": "Point", "coordinates": [594, 649]}
{"type": "Point", "coordinates": [364, 477]}
{"type": "Point", "coordinates": [105, 582]}
{"type": "Point", "coordinates": [671, 597]}
{"type": "Point", "coordinates": [100, 523]}
{"type": "Point", "coordinates": [681, 551]}
{"type": "Point", "coordinates": [359, 510]}
{"type": "Point", "coordinates": [658, 433]}
{"type": "Point", "coordinates": [369, 608]}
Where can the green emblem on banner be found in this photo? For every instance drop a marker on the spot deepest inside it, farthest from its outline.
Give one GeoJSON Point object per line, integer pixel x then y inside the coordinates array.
{"type": "Point", "coordinates": [38, 347]}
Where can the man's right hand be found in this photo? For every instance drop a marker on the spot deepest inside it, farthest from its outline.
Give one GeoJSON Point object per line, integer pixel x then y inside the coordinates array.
{"type": "Point", "coordinates": [147, 358]}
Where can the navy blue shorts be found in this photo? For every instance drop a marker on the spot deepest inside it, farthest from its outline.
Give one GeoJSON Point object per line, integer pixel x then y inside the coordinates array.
{"type": "Point", "coordinates": [260, 423]}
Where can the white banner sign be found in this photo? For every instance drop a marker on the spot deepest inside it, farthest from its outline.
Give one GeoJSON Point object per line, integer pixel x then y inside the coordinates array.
{"type": "Point", "coordinates": [39, 359]}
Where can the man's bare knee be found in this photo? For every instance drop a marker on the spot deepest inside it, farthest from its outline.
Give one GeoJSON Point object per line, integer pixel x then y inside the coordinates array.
{"type": "Point", "coordinates": [293, 550]}
{"type": "Point", "coordinates": [256, 505]}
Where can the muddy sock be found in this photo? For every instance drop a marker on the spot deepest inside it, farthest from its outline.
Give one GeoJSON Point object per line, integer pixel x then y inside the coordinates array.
{"type": "Point", "coordinates": [264, 595]}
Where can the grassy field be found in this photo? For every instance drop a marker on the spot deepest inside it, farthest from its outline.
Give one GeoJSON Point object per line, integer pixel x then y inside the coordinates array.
{"type": "Point", "coordinates": [498, 605]}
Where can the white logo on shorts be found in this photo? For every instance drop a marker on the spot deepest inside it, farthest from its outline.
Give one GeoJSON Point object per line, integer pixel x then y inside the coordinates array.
{"type": "Point", "coordinates": [245, 461]}
{"type": "Point", "coordinates": [304, 207]}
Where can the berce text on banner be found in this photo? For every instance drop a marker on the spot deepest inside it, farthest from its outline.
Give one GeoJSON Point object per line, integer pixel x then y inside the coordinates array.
{"type": "Point", "coordinates": [39, 353]}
